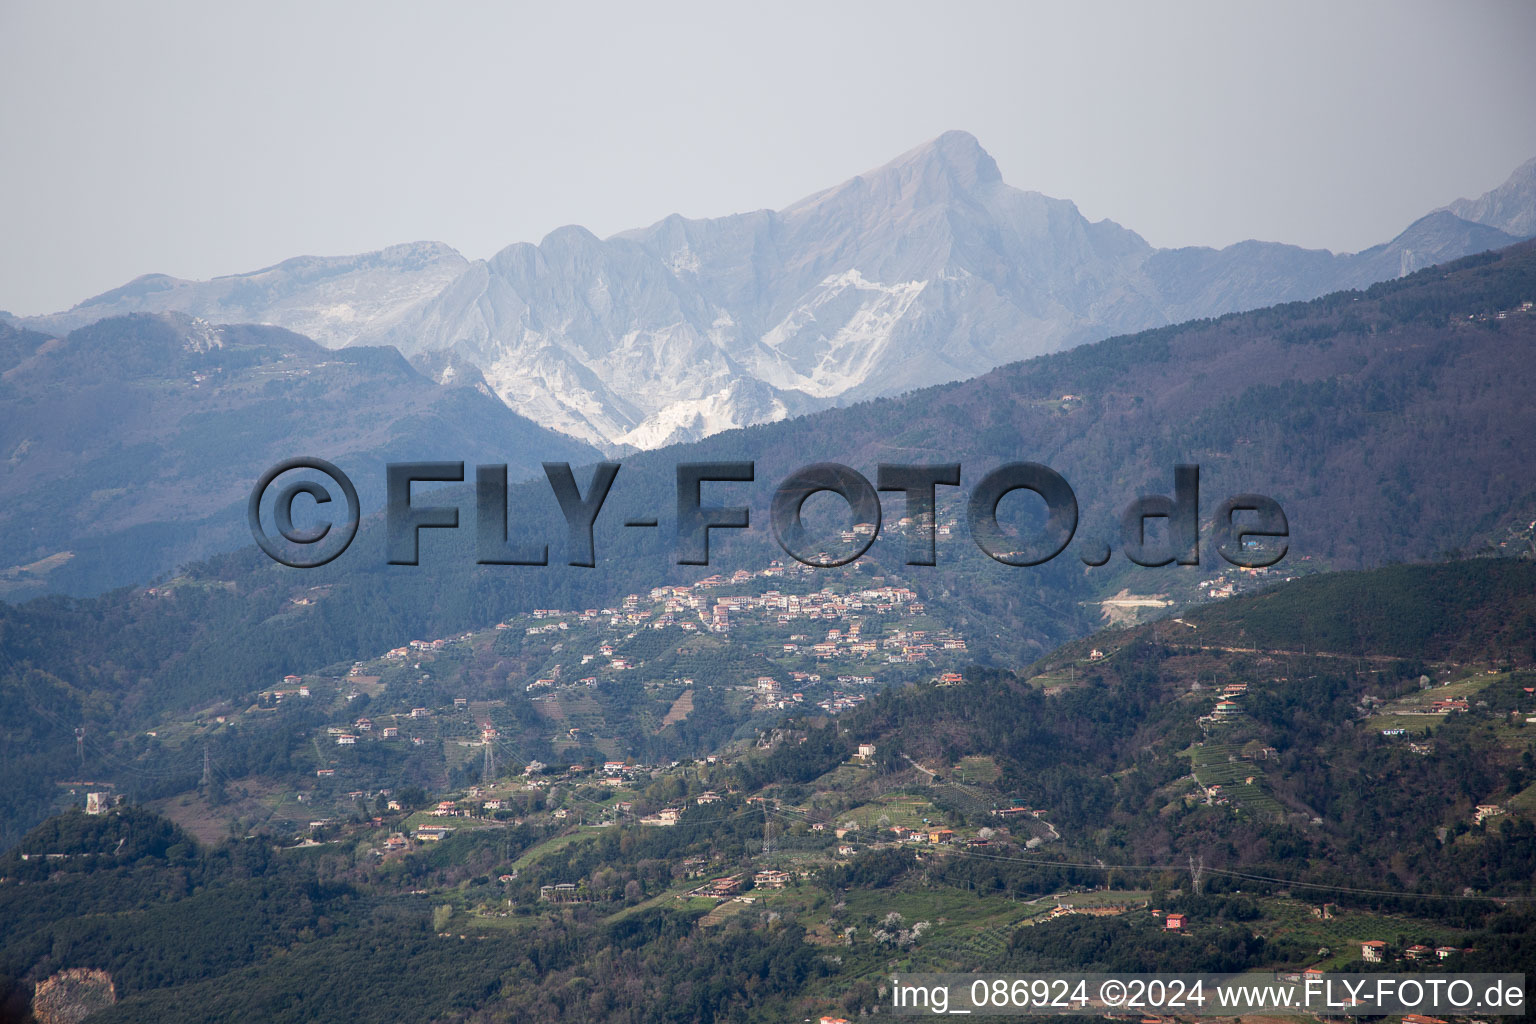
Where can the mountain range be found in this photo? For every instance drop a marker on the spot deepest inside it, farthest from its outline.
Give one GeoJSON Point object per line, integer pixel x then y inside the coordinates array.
{"type": "Point", "coordinates": [1392, 425]}
{"type": "Point", "coordinates": [1386, 422]}
{"type": "Point", "coordinates": [130, 444]}
{"type": "Point", "coordinates": [926, 270]}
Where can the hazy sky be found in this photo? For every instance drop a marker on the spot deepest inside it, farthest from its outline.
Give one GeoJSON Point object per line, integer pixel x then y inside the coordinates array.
{"type": "Point", "coordinates": [198, 139]}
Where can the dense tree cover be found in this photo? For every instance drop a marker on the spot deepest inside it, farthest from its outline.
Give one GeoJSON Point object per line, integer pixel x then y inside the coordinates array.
{"type": "Point", "coordinates": [723, 835]}
{"type": "Point", "coordinates": [239, 933]}
{"type": "Point", "coordinates": [657, 968]}
{"type": "Point", "coordinates": [83, 841]}
{"type": "Point", "coordinates": [1140, 943]}
{"type": "Point", "coordinates": [1109, 759]}
{"type": "Point", "coordinates": [815, 750]}
{"type": "Point", "coordinates": [873, 870]}
{"type": "Point", "coordinates": [1477, 610]}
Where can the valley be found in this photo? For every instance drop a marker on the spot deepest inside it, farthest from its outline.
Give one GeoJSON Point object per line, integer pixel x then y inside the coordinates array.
{"type": "Point", "coordinates": [761, 787]}
{"type": "Point", "coordinates": [1081, 565]}
{"type": "Point", "coordinates": [975, 820]}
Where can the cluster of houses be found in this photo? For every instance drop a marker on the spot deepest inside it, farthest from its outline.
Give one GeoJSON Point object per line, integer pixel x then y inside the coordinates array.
{"type": "Point", "coordinates": [401, 653]}
{"type": "Point", "coordinates": [293, 686]}
{"type": "Point", "coordinates": [614, 773]}
{"type": "Point", "coordinates": [730, 886]}
{"type": "Point", "coordinates": [927, 835]}
{"type": "Point", "coordinates": [935, 836]}
{"type": "Point", "coordinates": [1375, 951]}
{"type": "Point", "coordinates": [846, 637]}
{"type": "Point", "coordinates": [1503, 314]}
{"type": "Point", "coordinates": [822, 604]}
{"type": "Point", "coordinates": [840, 702]}
{"type": "Point", "coordinates": [667, 816]}
{"type": "Point", "coordinates": [770, 693]}
{"type": "Point", "coordinates": [678, 600]}
{"type": "Point", "coordinates": [787, 608]}
{"type": "Point", "coordinates": [719, 888]}
{"type": "Point", "coordinates": [1236, 581]}
{"type": "Point", "coordinates": [1218, 588]}
{"type": "Point", "coordinates": [1097, 910]}
{"type": "Point", "coordinates": [901, 646]}
{"type": "Point", "coordinates": [1485, 811]}
{"type": "Point", "coordinates": [914, 645]}
{"type": "Point", "coordinates": [681, 604]}
{"type": "Point", "coordinates": [344, 737]}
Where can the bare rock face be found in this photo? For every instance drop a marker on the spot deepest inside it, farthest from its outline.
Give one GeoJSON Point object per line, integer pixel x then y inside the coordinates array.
{"type": "Point", "coordinates": [1511, 208]}
{"type": "Point", "coordinates": [926, 270]}
{"type": "Point", "coordinates": [73, 995]}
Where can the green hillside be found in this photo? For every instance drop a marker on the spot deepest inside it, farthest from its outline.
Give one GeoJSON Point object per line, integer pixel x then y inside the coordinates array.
{"type": "Point", "coordinates": [1390, 425]}
{"type": "Point", "coordinates": [998, 824]}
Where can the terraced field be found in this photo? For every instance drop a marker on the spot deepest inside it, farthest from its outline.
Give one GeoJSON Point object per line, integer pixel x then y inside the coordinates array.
{"type": "Point", "coordinates": [680, 709]}
{"type": "Point", "coordinates": [1413, 713]}
{"type": "Point", "coordinates": [899, 809]}
{"type": "Point", "coordinates": [1343, 932]}
{"type": "Point", "coordinates": [973, 949]}
{"type": "Point", "coordinates": [1241, 781]}
{"type": "Point", "coordinates": [976, 769]}
{"type": "Point", "coordinates": [1215, 753]}
{"type": "Point", "coordinates": [730, 908]}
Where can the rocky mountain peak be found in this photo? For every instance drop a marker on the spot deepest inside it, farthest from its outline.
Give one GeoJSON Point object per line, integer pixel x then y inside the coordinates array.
{"type": "Point", "coordinates": [956, 157]}
{"type": "Point", "coordinates": [927, 269]}
{"type": "Point", "coordinates": [951, 166]}
{"type": "Point", "coordinates": [1511, 207]}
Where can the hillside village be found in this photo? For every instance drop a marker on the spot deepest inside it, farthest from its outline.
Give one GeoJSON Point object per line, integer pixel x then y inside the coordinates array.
{"type": "Point", "coordinates": [570, 796]}
{"type": "Point", "coordinates": [506, 783]}
{"type": "Point", "coordinates": [485, 714]}
{"type": "Point", "coordinates": [580, 687]}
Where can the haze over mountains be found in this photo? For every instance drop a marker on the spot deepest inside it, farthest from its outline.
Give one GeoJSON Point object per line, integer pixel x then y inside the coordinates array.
{"type": "Point", "coordinates": [926, 270]}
